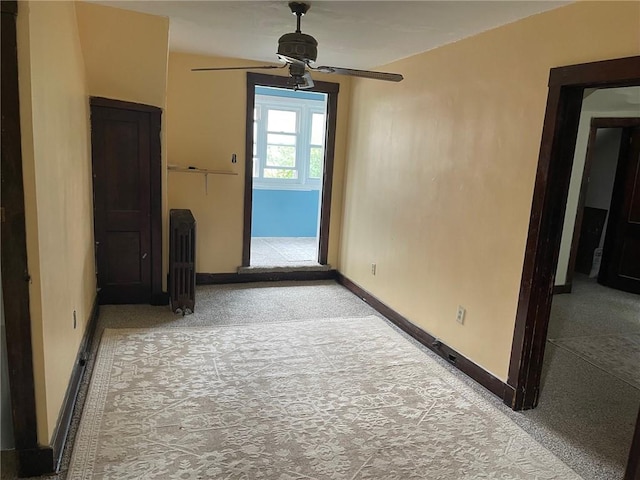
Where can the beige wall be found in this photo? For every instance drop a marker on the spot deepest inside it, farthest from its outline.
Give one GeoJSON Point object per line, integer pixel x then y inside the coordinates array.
{"type": "Point", "coordinates": [205, 126]}
{"type": "Point", "coordinates": [58, 196]}
{"type": "Point", "coordinates": [126, 55]}
{"type": "Point", "coordinates": [441, 170]}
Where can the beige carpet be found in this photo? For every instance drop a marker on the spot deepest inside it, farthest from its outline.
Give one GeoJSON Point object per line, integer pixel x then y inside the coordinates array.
{"type": "Point", "coordinates": [327, 399]}
{"type": "Point", "coordinates": [618, 355]}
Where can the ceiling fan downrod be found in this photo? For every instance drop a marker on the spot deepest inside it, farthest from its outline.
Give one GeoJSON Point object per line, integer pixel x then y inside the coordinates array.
{"type": "Point", "coordinates": [298, 9]}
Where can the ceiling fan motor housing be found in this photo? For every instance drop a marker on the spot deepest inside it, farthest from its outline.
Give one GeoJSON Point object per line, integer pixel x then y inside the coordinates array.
{"type": "Point", "coordinates": [300, 46]}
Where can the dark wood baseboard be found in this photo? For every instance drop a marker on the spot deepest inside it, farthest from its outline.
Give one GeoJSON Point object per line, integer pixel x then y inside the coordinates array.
{"type": "Point", "coordinates": [34, 462]}
{"type": "Point", "coordinates": [477, 373]}
{"type": "Point", "coordinates": [222, 278]}
{"type": "Point", "coordinates": [160, 299]}
{"type": "Point", "coordinates": [558, 289]}
{"type": "Point", "coordinates": [47, 459]}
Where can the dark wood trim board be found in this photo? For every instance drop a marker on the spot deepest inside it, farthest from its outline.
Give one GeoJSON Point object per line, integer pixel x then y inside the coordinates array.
{"type": "Point", "coordinates": [15, 274]}
{"type": "Point", "coordinates": [68, 405]}
{"type": "Point", "coordinates": [555, 161]}
{"type": "Point", "coordinates": [331, 89]}
{"type": "Point", "coordinates": [44, 460]}
{"type": "Point", "coordinates": [477, 373]}
{"type": "Point", "coordinates": [633, 465]}
{"type": "Point", "coordinates": [560, 289]}
{"type": "Point", "coordinates": [223, 278]}
{"type": "Point", "coordinates": [122, 105]}
{"type": "Point", "coordinates": [248, 172]}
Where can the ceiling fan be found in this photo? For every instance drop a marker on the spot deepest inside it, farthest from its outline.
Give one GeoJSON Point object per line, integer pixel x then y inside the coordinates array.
{"type": "Point", "coordinates": [299, 51]}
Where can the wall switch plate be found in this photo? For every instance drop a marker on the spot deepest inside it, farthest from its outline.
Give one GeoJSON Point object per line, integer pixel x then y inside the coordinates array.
{"type": "Point", "coordinates": [373, 269]}
{"type": "Point", "coordinates": [460, 315]}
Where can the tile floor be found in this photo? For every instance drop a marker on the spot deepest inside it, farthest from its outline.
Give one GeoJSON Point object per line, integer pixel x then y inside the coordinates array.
{"type": "Point", "coordinates": [284, 251]}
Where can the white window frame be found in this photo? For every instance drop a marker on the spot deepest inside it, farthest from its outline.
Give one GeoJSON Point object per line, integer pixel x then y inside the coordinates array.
{"type": "Point", "coordinates": [305, 108]}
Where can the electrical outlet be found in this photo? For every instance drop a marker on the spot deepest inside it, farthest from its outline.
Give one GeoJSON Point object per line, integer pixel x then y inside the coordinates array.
{"type": "Point", "coordinates": [373, 269]}
{"type": "Point", "coordinates": [75, 320]}
{"type": "Point", "coordinates": [460, 315]}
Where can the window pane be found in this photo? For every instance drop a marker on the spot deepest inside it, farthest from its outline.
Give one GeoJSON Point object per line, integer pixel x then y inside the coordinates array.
{"type": "Point", "coordinates": [317, 129]}
{"type": "Point", "coordinates": [281, 121]}
{"type": "Point", "coordinates": [281, 139]}
{"type": "Point", "coordinates": [278, 156]}
{"type": "Point", "coordinates": [280, 173]}
{"type": "Point", "coordinates": [255, 167]}
{"type": "Point", "coordinates": [316, 159]}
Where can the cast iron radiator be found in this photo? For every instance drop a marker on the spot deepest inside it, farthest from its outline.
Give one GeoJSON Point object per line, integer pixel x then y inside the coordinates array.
{"type": "Point", "coordinates": [182, 261]}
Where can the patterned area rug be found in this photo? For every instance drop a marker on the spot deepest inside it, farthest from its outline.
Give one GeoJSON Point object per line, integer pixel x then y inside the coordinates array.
{"type": "Point", "coordinates": [327, 399]}
{"type": "Point", "coordinates": [618, 355]}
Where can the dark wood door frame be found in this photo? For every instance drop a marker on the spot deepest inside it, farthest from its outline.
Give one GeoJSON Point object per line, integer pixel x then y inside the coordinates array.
{"type": "Point", "coordinates": [331, 89]}
{"type": "Point", "coordinates": [566, 90]}
{"type": "Point", "coordinates": [15, 274]}
{"type": "Point", "coordinates": [633, 464]}
{"type": "Point", "coordinates": [596, 123]}
{"type": "Point", "coordinates": [157, 297]}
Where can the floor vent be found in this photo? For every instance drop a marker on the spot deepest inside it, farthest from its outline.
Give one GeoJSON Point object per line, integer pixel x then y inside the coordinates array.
{"type": "Point", "coordinates": [182, 261]}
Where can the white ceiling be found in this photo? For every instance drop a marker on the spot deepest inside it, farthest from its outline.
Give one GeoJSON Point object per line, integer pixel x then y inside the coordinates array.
{"type": "Point", "coordinates": [625, 99]}
{"type": "Point", "coordinates": [356, 34]}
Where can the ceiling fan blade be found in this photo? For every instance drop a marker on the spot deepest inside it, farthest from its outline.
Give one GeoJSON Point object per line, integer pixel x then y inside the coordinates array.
{"type": "Point", "coordinates": [389, 77]}
{"type": "Point", "coordinates": [258, 67]}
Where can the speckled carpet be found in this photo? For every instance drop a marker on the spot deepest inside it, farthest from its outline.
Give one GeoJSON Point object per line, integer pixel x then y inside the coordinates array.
{"type": "Point", "coordinates": [324, 399]}
{"type": "Point", "coordinates": [618, 355]}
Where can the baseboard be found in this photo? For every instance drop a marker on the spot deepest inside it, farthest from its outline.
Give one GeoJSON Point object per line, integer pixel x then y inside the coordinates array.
{"type": "Point", "coordinates": [222, 278]}
{"type": "Point", "coordinates": [160, 299]}
{"type": "Point", "coordinates": [509, 397]}
{"type": "Point", "coordinates": [61, 431]}
{"type": "Point", "coordinates": [558, 289]}
{"type": "Point", "coordinates": [477, 373]}
{"type": "Point", "coordinates": [34, 462]}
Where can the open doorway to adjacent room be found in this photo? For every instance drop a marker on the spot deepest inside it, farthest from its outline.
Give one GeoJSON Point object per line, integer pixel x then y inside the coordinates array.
{"type": "Point", "coordinates": [581, 349]}
{"type": "Point", "coordinates": [288, 161]}
{"type": "Point", "coordinates": [290, 143]}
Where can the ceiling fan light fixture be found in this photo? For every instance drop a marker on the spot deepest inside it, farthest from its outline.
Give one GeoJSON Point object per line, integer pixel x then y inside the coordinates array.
{"type": "Point", "coordinates": [300, 46]}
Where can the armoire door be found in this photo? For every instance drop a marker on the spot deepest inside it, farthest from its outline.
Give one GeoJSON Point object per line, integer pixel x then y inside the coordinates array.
{"type": "Point", "coordinates": [125, 144]}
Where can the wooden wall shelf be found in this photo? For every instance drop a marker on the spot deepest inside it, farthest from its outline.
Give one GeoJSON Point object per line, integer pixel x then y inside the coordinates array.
{"type": "Point", "coordinates": [204, 171]}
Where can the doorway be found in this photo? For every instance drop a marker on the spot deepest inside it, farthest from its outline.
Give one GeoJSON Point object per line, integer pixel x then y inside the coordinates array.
{"type": "Point", "coordinates": [566, 91]}
{"type": "Point", "coordinates": [602, 247]}
{"type": "Point", "coordinates": [567, 86]}
{"type": "Point", "coordinates": [288, 161]}
{"type": "Point", "coordinates": [290, 143]}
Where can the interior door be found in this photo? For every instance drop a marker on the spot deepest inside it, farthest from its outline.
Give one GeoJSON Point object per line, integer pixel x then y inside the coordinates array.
{"type": "Point", "coordinates": [621, 254]}
{"type": "Point", "coordinates": [122, 150]}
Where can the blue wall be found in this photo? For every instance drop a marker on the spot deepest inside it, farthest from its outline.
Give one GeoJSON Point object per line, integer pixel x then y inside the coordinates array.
{"type": "Point", "coordinates": [285, 213]}
{"type": "Point", "coordinates": [288, 93]}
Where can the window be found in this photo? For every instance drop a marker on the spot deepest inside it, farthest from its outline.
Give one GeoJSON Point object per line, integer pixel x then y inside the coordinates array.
{"type": "Point", "coordinates": [288, 138]}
